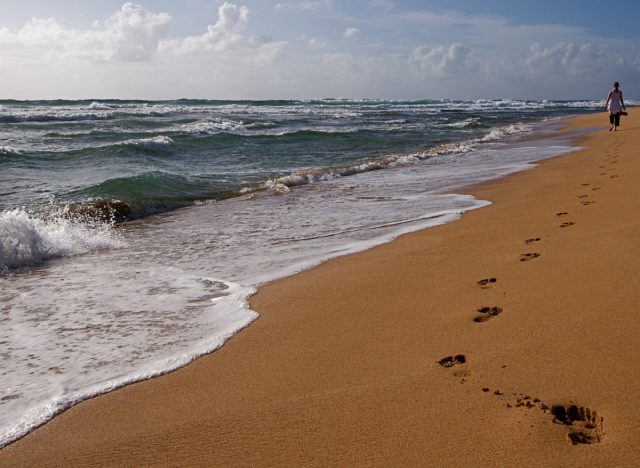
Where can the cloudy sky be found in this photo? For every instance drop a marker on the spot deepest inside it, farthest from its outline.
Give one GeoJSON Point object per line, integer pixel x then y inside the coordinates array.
{"type": "Point", "coordinates": [268, 49]}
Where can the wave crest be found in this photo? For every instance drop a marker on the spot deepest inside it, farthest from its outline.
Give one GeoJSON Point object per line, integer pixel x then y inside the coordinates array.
{"type": "Point", "coordinates": [311, 176]}
{"type": "Point", "coordinates": [9, 151]}
{"type": "Point", "coordinates": [212, 127]}
{"type": "Point", "coordinates": [99, 106]}
{"type": "Point", "coordinates": [26, 240]}
{"type": "Point", "coordinates": [160, 142]}
{"type": "Point", "coordinates": [54, 117]}
{"type": "Point", "coordinates": [502, 132]}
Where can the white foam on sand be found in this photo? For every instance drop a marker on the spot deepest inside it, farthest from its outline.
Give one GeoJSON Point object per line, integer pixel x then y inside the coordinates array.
{"type": "Point", "coordinates": [89, 330]}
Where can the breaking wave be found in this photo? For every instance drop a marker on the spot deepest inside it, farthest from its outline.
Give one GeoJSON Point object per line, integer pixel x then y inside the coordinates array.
{"type": "Point", "coordinates": [316, 175]}
{"type": "Point", "coordinates": [54, 117]}
{"type": "Point", "coordinates": [9, 150]}
{"type": "Point", "coordinates": [160, 142]}
{"type": "Point", "coordinates": [26, 240]}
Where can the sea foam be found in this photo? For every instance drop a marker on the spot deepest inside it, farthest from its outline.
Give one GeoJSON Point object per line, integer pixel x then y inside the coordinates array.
{"type": "Point", "coordinates": [160, 142]}
{"type": "Point", "coordinates": [213, 126]}
{"type": "Point", "coordinates": [117, 329]}
{"type": "Point", "coordinates": [9, 150]}
{"type": "Point", "coordinates": [28, 240]}
{"type": "Point", "coordinates": [99, 105]}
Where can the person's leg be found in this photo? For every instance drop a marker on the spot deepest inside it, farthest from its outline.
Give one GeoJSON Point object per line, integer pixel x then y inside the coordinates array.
{"type": "Point", "coordinates": [617, 120]}
{"type": "Point", "coordinates": [610, 121]}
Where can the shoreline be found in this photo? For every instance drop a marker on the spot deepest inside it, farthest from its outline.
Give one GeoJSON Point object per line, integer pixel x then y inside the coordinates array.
{"type": "Point", "coordinates": [544, 132]}
{"type": "Point", "coordinates": [311, 404]}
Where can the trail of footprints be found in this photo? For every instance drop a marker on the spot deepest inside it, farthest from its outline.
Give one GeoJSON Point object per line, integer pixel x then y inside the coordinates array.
{"type": "Point", "coordinates": [585, 426]}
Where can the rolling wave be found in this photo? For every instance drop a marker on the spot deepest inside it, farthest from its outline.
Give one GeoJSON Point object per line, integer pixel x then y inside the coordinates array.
{"type": "Point", "coordinates": [311, 176]}
{"type": "Point", "coordinates": [155, 191]}
{"type": "Point", "coordinates": [148, 193]}
{"type": "Point", "coordinates": [51, 117]}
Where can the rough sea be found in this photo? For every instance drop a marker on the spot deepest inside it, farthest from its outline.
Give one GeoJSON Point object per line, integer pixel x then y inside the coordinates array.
{"type": "Point", "coordinates": [132, 233]}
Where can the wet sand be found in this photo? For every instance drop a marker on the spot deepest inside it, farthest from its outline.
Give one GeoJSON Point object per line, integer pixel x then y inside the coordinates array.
{"type": "Point", "coordinates": [399, 356]}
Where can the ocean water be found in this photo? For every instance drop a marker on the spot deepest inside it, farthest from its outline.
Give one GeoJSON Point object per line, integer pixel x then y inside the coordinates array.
{"type": "Point", "coordinates": [132, 233]}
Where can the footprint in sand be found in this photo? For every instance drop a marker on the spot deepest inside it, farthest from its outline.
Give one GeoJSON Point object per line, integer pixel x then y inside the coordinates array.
{"type": "Point", "coordinates": [451, 361]}
{"type": "Point", "coordinates": [532, 240]}
{"type": "Point", "coordinates": [587, 203]}
{"type": "Point", "coordinates": [487, 313]}
{"type": "Point", "coordinates": [526, 402]}
{"type": "Point", "coordinates": [567, 224]}
{"type": "Point", "coordinates": [562, 213]}
{"type": "Point", "coordinates": [487, 282]}
{"type": "Point", "coordinates": [585, 185]}
{"type": "Point", "coordinates": [586, 424]}
{"type": "Point", "coordinates": [613, 176]}
{"type": "Point", "coordinates": [583, 196]}
{"type": "Point", "coordinates": [528, 256]}
{"type": "Point", "coordinates": [596, 188]}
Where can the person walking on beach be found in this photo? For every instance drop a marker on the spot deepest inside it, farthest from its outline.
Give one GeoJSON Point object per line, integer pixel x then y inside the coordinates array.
{"type": "Point", "coordinates": [615, 106]}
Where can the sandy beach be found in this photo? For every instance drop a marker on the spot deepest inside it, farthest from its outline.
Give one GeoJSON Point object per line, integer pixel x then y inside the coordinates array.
{"type": "Point", "coordinates": [402, 355]}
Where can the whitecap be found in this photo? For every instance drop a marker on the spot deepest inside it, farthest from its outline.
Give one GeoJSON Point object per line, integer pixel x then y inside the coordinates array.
{"type": "Point", "coordinates": [160, 142]}
{"type": "Point", "coordinates": [502, 132]}
{"type": "Point", "coordinates": [60, 116]}
{"type": "Point", "coordinates": [99, 106]}
{"type": "Point", "coordinates": [277, 187]}
{"type": "Point", "coordinates": [9, 150]}
{"type": "Point", "coordinates": [462, 124]}
{"type": "Point", "coordinates": [210, 127]}
{"type": "Point", "coordinates": [28, 240]}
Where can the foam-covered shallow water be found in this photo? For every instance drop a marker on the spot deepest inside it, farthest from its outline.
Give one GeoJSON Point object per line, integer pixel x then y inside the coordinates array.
{"type": "Point", "coordinates": [87, 306]}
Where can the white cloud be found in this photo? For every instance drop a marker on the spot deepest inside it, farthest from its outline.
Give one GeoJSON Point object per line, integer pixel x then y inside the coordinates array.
{"type": "Point", "coordinates": [130, 34]}
{"type": "Point", "coordinates": [224, 34]}
{"type": "Point", "coordinates": [443, 60]}
{"type": "Point", "coordinates": [225, 40]}
{"type": "Point", "coordinates": [339, 58]}
{"type": "Point", "coordinates": [569, 59]}
{"type": "Point", "coordinates": [350, 33]}
{"type": "Point", "coordinates": [317, 42]}
{"type": "Point", "coordinates": [133, 34]}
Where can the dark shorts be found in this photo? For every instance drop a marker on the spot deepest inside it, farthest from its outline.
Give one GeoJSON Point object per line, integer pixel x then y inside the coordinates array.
{"type": "Point", "coordinates": [614, 119]}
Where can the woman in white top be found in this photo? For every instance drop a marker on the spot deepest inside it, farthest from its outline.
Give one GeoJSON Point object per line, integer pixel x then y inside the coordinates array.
{"type": "Point", "coordinates": [615, 106]}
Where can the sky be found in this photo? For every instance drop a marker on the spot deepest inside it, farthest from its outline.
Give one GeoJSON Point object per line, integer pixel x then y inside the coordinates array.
{"type": "Point", "coordinates": [285, 49]}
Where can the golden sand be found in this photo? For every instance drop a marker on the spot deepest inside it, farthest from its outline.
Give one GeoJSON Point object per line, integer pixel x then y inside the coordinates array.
{"type": "Point", "coordinates": [398, 356]}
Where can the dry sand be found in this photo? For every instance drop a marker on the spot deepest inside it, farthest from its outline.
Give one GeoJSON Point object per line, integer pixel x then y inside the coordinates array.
{"type": "Point", "coordinates": [342, 366]}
